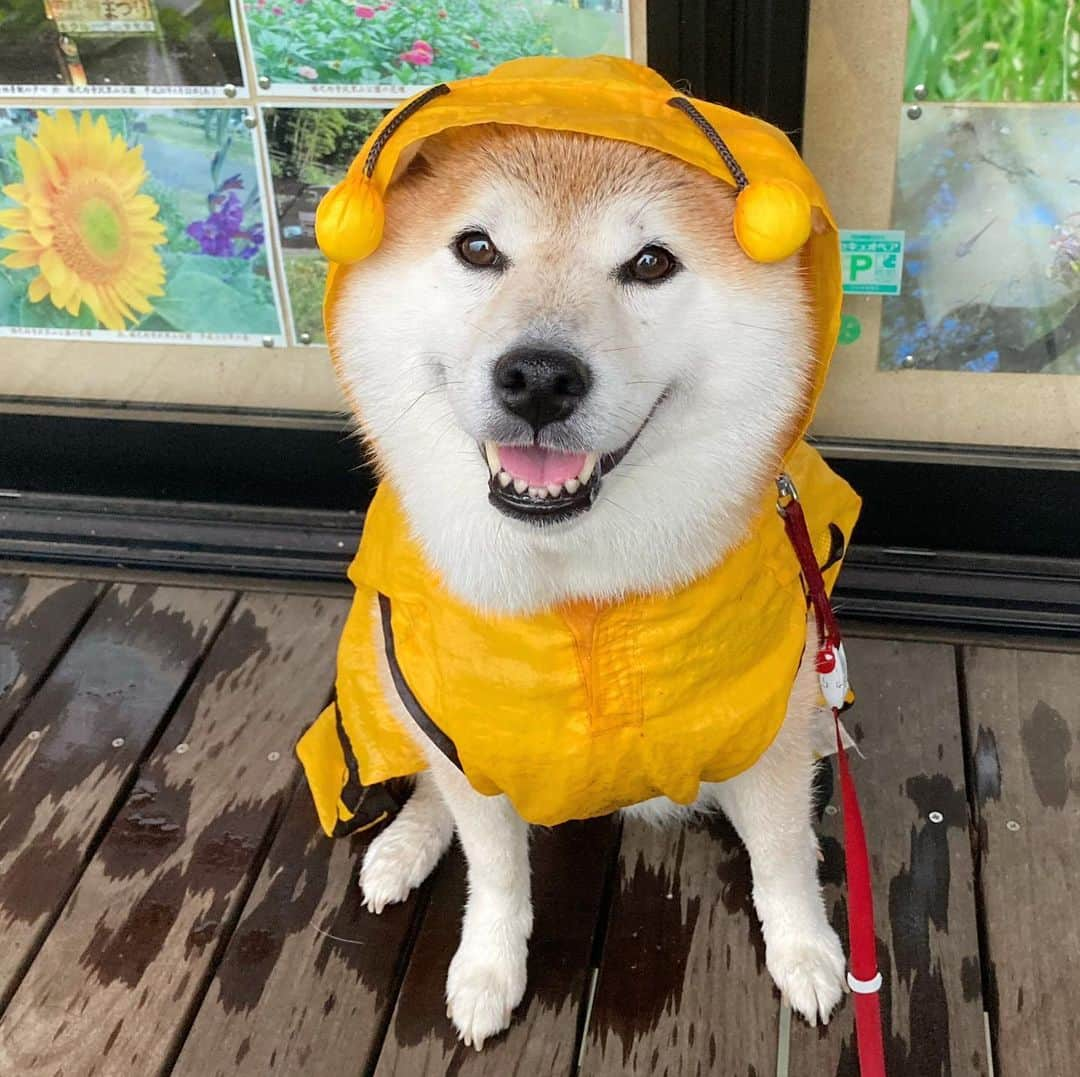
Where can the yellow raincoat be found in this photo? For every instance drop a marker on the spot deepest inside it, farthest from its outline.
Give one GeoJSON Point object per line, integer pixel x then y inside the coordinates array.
{"type": "Point", "coordinates": [582, 709]}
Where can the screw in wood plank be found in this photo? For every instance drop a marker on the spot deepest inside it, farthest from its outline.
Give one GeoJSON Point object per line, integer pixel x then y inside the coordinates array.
{"type": "Point", "coordinates": [914, 112]}
{"type": "Point", "coordinates": [920, 92]}
{"type": "Point", "coordinates": [250, 121]}
{"type": "Point", "coordinates": [229, 90]}
{"type": "Point", "coordinates": [264, 82]}
{"type": "Point", "coordinates": [936, 817]}
{"type": "Point", "coordinates": [268, 342]}
{"type": "Point", "coordinates": [1013, 825]}
{"type": "Point", "coordinates": [118, 742]}
{"type": "Point", "coordinates": [305, 338]}
{"type": "Point", "coordinates": [181, 748]}
{"type": "Point", "coordinates": [274, 756]}
{"type": "Point", "coordinates": [907, 362]}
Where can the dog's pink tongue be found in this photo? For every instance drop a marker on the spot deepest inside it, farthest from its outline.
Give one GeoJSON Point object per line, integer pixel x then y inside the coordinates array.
{"type": "Point", "coordinates": [539, 466]}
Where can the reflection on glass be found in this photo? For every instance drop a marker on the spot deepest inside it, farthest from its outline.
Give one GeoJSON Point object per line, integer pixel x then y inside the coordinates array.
{"type": "Point", "coordinates": [989, 199]}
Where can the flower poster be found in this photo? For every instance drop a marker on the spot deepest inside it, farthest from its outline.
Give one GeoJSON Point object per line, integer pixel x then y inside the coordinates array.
{"type": "Point", "coordinates": [133, 224]}
{"type": "Point", "coordinates": [389, 48]}
{"type": "Point", "coordinates": [310, 150]}
{"type": "Point", "coordinates": [111, 48]}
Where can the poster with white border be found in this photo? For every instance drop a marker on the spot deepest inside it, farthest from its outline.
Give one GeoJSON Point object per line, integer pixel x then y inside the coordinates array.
{"type": "Point", "coordinates": [310, 148]}
{"type": "Point", "coordinates": [135, 225]}
{"type": "Point", "coordinates": [392, 48]}
{"type": "Point", "coordinates": [121, 49]}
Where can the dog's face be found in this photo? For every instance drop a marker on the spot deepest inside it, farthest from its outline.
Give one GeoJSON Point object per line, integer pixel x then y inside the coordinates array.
{"type": "Point", "coordinates": [576, 381]}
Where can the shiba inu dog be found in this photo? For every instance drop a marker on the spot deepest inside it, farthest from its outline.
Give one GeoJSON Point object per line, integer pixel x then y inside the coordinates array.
{"type": "Point", "coordinates": [579, 389]}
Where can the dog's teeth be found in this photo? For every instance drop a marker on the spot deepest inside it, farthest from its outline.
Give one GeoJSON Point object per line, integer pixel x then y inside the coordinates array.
{"type": "Point", "coordinates": [554, 488]}
{"type": "Point", "coordinates": [504, 478]}
{"type": "Point", "coordinates": [539, 492]}
{"type": "Point", "coordinates": [491, 451]}
{"type": "Point", "coordinates": [572, 486]}
{"type": "Point", "coordinates": [587, 470]}
{"type": "Point", "coordinates": [520, 486]}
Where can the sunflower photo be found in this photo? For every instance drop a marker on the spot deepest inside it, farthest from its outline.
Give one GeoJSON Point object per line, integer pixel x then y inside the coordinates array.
{"type": "Point", "coordinates": [103, 47]}
{"type": "Point", "coordinates": [133, 224]}
{"type": "Point", "coordinates": [391, 47]}
{"type": "Point", "coordinates": [310, 150]}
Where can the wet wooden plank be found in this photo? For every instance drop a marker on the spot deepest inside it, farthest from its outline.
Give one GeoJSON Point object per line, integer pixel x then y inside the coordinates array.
{"type": "Point", "coordinates": [37, 619]}
{"type": "Point", "coordinates": [308, 978]}
{"type": "Point", "coordinates": [569, 865]}
{"type": "Point", "coordinates": [110, 991]}
{"type": "Point", "coordinates": [1024, 732]}
{"type": "Point", "coordinates": [683, 987]}
{"type": "Point", "coordinates": [907, 720]}
{"type": "Point", "coordinates": [74, 748]}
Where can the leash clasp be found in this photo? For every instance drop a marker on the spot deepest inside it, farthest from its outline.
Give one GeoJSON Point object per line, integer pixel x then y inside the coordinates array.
{"type": "Point", "coordinates": [786, 493]}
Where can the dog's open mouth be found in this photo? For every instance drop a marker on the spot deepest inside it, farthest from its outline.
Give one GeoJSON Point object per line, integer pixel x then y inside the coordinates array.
{"type": "Point", "coordinates": [542, 485]}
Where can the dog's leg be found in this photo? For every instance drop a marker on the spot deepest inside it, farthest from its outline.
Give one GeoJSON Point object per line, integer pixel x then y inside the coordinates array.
{"type": "Point", "coordinates": [487, 975]}
{"type": "Point", "coordinates": [770, 806]}
{"type": "Point", "coordinates": [405, 853]}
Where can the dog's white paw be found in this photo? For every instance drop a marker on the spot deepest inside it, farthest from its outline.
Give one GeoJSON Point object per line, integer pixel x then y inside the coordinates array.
{"type": "Point", "coordinates": [482, 992]}
{"type": "Point", "coordinates": [399, 860]}
{"type": "Point", "coordinates": [809, 969]}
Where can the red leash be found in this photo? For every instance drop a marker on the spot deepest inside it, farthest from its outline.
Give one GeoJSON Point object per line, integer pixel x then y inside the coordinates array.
{"type": "Point", "coordinates": [863, 976]}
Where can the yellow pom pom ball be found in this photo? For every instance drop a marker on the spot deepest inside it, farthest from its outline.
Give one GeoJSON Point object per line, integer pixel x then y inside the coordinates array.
{"type": "Point", "coordinates": [349, 221]}
{"type": "Point", "coordinates": [772, 219]}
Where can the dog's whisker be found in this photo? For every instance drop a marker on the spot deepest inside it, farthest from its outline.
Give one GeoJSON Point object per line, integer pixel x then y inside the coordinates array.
{"type": "Point", "coordinates": [778, 329]}
{"type": "Point", "coordinates": [416, 400]}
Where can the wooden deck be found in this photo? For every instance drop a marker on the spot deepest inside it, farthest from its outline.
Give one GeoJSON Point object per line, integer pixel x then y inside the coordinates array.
{"type": "Point", "coordinates": [167, 904]}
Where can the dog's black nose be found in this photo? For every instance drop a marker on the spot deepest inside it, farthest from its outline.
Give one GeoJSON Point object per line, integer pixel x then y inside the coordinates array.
{"type": "Point", "coordinates": [541, 385]}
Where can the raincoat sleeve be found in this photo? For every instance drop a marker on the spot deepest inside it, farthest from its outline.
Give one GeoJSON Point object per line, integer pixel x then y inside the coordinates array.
{"type": "Point", "coordinates": [357, 740]}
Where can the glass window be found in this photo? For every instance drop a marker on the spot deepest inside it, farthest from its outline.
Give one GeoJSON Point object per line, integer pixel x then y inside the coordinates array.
{"type": "Point", "coordinates": [956, 122]}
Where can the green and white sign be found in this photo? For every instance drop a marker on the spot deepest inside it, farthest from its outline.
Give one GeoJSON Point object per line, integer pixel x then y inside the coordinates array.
{"type": "Point", "coordinates": [872, 262]}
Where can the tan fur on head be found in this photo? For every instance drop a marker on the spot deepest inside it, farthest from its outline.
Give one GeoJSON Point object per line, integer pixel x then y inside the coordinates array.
{"type": "Point", "coordinates": [568, 176]}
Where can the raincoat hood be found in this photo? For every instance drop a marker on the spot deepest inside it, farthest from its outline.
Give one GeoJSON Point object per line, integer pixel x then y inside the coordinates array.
{"type": "Point", "coordinates": [576, 711]}
{"type": "Point", "coordinates": [780, 208]}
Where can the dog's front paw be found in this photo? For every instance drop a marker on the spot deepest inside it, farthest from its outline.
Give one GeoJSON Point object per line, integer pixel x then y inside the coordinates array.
{"type": "Point", "coordinates": [808, 967]}
{"type": "Point", "coordinates": [399, 860]}
{"type": "Point", "coordinates": [482, 990]}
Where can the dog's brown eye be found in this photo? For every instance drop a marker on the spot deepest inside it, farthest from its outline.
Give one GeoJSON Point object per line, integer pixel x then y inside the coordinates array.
{"type": "Point", "coordinates": [650, 266]}
{"type": "Point", "coordinates": [477, 249]}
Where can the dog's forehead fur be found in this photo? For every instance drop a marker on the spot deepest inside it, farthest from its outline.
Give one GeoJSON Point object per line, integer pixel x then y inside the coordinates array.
{"type": "Point", "coordinates": [559, 183]}
{"type": "Point", "coordinates": [727, 342]}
